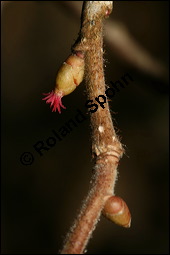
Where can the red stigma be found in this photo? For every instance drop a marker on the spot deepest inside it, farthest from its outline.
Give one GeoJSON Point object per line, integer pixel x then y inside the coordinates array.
{"type": "Point", "coordinates": [55, 100]}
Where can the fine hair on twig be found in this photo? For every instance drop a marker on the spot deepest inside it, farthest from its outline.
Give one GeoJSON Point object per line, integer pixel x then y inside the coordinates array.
{"type": "Point", "coordinates": [106, 147]}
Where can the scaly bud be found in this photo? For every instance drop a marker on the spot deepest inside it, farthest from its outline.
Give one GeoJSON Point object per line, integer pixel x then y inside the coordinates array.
{"type": "Point", "coordinates": [116, 210]}
{"type": "Point", "coordinates": [69, 76]}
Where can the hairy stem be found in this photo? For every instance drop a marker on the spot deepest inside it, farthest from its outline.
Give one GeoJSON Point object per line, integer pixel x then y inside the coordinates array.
{"type": "Point", "coordinates": [106, 148]}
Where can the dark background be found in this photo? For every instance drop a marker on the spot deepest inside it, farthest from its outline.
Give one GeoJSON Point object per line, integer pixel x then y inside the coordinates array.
{"type": "Point", "coordinates": [40, 201]}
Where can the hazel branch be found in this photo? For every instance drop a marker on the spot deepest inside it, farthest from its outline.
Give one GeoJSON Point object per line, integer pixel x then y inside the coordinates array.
{"type": "Point", "coordinates": [123, 43]}
{"type": "Point", "coordinates": [106, 147]}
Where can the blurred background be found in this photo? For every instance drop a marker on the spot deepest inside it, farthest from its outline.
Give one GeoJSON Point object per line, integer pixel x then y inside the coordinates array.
{"type": "Point", "coordinates": [40, 200]}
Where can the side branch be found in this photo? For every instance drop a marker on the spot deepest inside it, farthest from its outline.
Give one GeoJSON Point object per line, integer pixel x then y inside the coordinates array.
{"type": "Point", "coordinates": [106, 148]}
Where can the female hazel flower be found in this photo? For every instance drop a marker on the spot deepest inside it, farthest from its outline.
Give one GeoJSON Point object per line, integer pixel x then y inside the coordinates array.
{"type": "Point", "coordinates": [69, 76]}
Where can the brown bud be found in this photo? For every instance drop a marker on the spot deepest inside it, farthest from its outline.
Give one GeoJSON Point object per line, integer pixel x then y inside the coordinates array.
{"type": "Point", "coordinates": [116, 210]}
